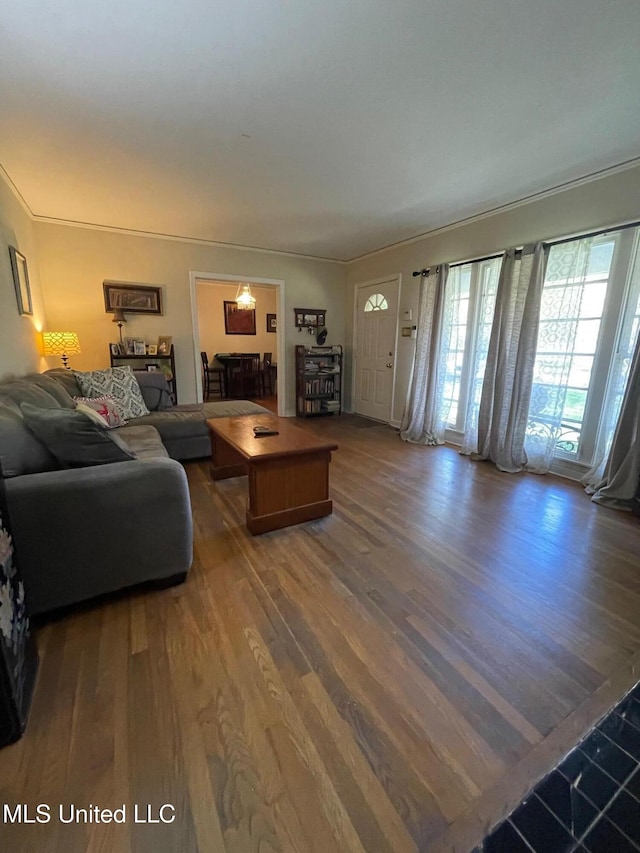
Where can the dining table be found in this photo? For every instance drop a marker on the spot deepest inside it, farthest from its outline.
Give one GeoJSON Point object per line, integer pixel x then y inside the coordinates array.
{"type": "Point", "coordinates": [231, 361]}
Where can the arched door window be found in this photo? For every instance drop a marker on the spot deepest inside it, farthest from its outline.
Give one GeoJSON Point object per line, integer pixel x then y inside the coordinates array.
{"type": "Point", "coordinates": [376, 302]}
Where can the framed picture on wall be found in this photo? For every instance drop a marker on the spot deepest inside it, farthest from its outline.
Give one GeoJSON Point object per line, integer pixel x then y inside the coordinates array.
{"type": "Point", "coordinates": [21, 281]}
{"type": "Point", "coordinates": [239, 321]}
{"type": "Point", "coordinates": [272, 323]}
{"type": "Point", "coordinates": [132, 298]}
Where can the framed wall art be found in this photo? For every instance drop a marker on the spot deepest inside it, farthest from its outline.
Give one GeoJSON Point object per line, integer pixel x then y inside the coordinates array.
{"type": "Point", "coordinates": [239, 321]}
{"type": "Point", "coordinates": [309, 317]}
{"type": "Point", "coordinates": [21, 281]}
{"type": "Point", "coordinates": [132, 298]}
{"type": "Point", "coordinates": [272, 323]}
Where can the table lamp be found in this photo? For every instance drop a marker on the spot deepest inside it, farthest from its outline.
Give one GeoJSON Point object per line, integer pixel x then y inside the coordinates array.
{"type": "Point", "coordinates": [63, 344]}
{"type": "Point", "coordinates": [120, 319]}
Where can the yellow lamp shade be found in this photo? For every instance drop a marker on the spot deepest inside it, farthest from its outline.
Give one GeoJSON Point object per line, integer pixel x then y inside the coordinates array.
{"type": "Point", "coordinates": [63, 344]}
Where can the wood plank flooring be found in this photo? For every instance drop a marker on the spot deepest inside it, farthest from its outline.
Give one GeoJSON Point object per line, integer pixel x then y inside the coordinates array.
{"type": "Point", "coordinates": [391, 678]}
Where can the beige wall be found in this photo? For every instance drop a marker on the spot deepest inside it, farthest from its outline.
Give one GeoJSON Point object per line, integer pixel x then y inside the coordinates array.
{"type": "Point", "coordinates": [19, 336]}
{"type": "Point", "coordinates": [75, 261]}
{"type": "Point", "coordinates": [610, 200]}
{"type": "Point", "coordinates": [211, 296]}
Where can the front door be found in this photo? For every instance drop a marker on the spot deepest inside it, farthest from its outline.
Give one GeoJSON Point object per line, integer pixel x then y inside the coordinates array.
{"type": "Point", "coordinates": [376, 319]}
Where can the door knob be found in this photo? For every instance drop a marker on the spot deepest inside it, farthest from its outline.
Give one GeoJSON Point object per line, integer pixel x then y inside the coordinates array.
{"type": "Point", "coordinates": [389, 364]}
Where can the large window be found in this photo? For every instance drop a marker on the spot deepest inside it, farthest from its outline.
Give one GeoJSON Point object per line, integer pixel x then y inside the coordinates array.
{"type": "Point", "coordinates": [590, 315]}
{"type": "Point", "coordinates": [571, 312]}
{"type": "Point", "coordinates": [471, 296]}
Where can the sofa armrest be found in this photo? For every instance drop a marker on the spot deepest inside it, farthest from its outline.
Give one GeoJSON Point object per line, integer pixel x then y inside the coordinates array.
{"type": "Point", "coordinates": [82, 532]}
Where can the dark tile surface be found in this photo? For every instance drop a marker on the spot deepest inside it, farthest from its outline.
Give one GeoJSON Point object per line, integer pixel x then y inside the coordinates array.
{"type": "Point", "coordinates": [607, 755]}
{"type": "Point", "coordinates": [591, 802]}
{"type": "Point", "coordinates": [574, 811]}
{"type": "Point", "coordinates": [605, 838]}
{"type": "Point", "coordinates": [542, 830]}
{"type": "Point", "coordinates": [596, 785]}
{"type": "Point", "coordinates": [626, 735]}
{"type": "Point", "coordinates": [624, 812]}
{"type": "Point", "coordinates": [631, 712]}
{"type": "Point", "coordinates": [633, 784]}
{"type": "Point", "coordinates": [505, 840]}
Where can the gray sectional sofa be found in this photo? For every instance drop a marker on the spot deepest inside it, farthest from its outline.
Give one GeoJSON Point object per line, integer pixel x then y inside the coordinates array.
{"type": "Point", "coordinates": [83, 531]}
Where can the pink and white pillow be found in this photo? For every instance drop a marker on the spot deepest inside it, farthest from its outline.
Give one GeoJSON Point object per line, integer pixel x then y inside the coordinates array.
{"type": "Point", "coordinates": [106, 407]}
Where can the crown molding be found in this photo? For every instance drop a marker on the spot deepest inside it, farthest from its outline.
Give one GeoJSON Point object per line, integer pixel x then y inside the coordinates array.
{"type": "Point", "coordinates": [16, 192]}
{"type": "Point", "coordinates": [505, 208]}
{"type": "Point", "coordinates": [176, 238]}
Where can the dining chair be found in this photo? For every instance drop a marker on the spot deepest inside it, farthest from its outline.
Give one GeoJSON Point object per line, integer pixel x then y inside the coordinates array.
{"type": "Point", "coordinates": [265, 373]}
{"type": "Point", "coordinates": [212, 378]}
{"type": "Point", "coordinates": [246, 376]}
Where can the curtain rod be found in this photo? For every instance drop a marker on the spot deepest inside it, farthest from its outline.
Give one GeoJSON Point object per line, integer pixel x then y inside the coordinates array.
{"type": "Point", "coordinates": [559, 242]}
{"type": "Point", "coordinates": [463, 263]}
{"type": "Point", "coordinates": [598, 233]}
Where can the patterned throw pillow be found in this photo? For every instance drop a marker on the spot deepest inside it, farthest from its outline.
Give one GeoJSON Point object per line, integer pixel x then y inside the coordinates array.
{"type": "Point", "coordinates": [106, 407]}
{"type": "Point", "coordinates": [118, 382]}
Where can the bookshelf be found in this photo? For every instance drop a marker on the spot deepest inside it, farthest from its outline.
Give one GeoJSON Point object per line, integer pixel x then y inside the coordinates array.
{"type": "Point", "coordinates": [318, 380]}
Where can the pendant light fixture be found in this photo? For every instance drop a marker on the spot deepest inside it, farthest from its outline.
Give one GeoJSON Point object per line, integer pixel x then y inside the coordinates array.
{"type": "Point", "coordinates": [244, 298]}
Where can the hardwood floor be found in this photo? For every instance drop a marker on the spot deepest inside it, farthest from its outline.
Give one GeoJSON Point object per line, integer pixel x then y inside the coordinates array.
{"type": "Point", "coordinates": [391, 678]}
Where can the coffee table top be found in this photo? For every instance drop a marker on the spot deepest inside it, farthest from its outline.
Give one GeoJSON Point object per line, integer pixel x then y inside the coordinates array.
{"type": "Point", "coordinates": [290, 441]}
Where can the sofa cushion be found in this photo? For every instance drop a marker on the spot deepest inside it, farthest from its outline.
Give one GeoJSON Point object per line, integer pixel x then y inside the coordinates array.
{"type": "Point", "coordinates": [188, 421]}
{"type": "Point", "coordinates": [23, 391]}
{"type": "Point", "coordinates": [107, 409]}
{"type": "Point", "coordinates": [144, 441]}
{"type": "Point", "coordinates": [117, 381]}
{"type": "Point", "coordinates": [66, 378]}
{"type": "Point", "coordinates": [155, 390]}
{"type": "Point", "coordinates": [53, 387]}
{"type": "Point", "coordinates": [74, 439]}
{"type": "Point", "coordinates": [20, 450]}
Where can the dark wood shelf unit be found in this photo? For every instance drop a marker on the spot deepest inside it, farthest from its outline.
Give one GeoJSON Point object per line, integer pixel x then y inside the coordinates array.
{"type": "Point", "coordinates": [318, 381]}
{"type": "Point", "coordinates": [167, 362]}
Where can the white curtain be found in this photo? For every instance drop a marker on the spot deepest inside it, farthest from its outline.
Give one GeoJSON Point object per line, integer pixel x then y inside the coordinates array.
{"type": "Point", "coordinates": [619, 377]}
{"type": "Point", "coordinates": [508, 378]}
{"type": "Point", "coordinates": [560, 314]}
{"type": "Point", "coordinates": [422, 421]}
{"type": "Point", "coordinates": [621, 482]}
{"type": "Point", "coordinates": [485, 323]}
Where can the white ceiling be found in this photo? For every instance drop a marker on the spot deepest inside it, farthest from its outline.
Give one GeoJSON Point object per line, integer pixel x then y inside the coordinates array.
{"type": "Point", "coordinates": [325, 127]}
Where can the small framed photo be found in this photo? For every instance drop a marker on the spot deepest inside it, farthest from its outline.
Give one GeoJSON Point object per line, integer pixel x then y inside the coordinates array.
{"type": "Point", "coordinates": [115, 349]}
{"type": "Point", "coordinates": [139, 348]}
{"type": "Point", "coordinates": [164, 344]}
{"type": "Point", "coordinates": [153, 349]}
{"type": "Point", "coordinates": [272, 323]}
{"type": "Point", "coordinates": [128, 346]}
{"type": "Point", "coordinates": [21, 281]}
{"type": "Point", "coordinates": [152, 368]}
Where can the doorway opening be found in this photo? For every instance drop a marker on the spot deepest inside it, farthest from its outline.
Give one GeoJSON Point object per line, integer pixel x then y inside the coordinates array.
{"type": "Point", "coordinates": [216, 333]}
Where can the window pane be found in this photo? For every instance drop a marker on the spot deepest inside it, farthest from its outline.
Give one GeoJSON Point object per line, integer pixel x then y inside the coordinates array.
{"type": "Point", "coordinates": [600, 258]}
{"type": "Point", "coordinates": [570, 316]}
{"type": "Point", "coordinates": [593, 299]}
{"type": "Point", "coordinates": [456, 312]}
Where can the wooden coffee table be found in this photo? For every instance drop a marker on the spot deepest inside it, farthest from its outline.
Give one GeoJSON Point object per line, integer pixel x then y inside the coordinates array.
{"type": "Point", "coordinates": [288, 473]}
